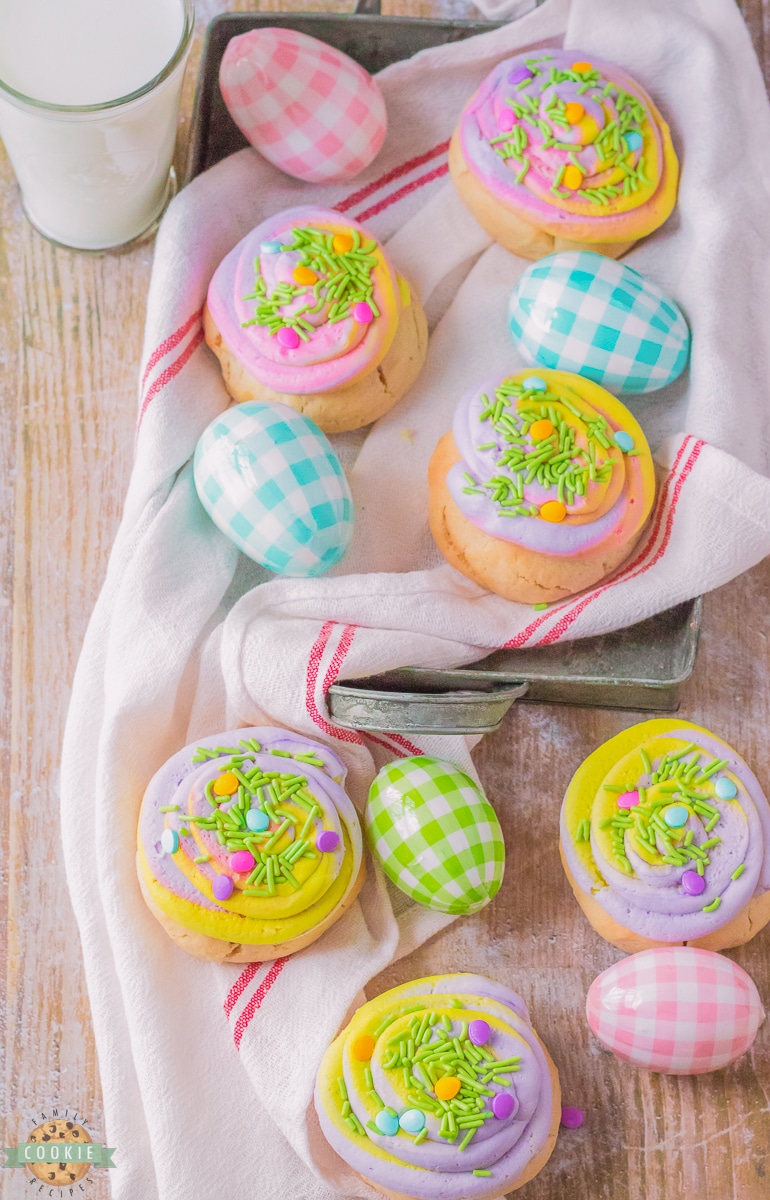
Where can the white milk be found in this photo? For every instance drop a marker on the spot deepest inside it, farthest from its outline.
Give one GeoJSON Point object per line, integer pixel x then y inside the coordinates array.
{"type": "Point", "coordinates": [91, 179]}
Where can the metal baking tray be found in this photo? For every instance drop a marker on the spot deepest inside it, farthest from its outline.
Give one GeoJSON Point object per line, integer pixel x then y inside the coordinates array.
{"type": "Point", "coordinates": [640, 668]}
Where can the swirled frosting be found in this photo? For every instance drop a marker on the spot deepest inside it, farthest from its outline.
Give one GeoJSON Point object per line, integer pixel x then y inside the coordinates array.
{"type": "Point", "coordinates": [249, 836]}
{"type": "Point", "coordinates": [465, 1037]}
{"type": "Point", "coordinates": [307, 302]}
{"type": "Point", "coordinates": [572, 143]}
{"type": "Point", "coordinates": [669, 831]}
{"type": "Point", "coordinates": [543, 464]}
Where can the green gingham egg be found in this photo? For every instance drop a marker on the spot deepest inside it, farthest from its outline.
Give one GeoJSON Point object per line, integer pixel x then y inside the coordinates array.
{"type": "Point", "coordinates": [435, 834]}
{"type": "Point", "coordinates": [580, 311]}
{"type": "Point", "coordinates": [269, 479]}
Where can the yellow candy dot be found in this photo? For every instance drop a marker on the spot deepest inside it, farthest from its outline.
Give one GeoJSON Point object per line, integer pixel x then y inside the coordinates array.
{"type": "Point", "coordinates": [363, 1047]}
{"type": "Point", "coordinates": [226, 785]}
{"type": "Point", "coordinates": [582, 67]}
{"type": "Point", "coordinates": [553, 511]}
{"type": "Point", "coordinates": [304, 276]}
{"type": "Point", "coordinates": [572, 178]}
{"type": "Point", "coordinates": [447, 1088]}
{"type": "Point", "coordinates": [540, 430]}
{"type": "Point", "coordinates": [573, 112]}
{"type": "Point", "coordinates": [341, 243]}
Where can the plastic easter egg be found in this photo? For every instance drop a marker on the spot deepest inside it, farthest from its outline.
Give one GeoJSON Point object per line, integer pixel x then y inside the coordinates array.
{"type": "Point", "coordinates": [579, 311]}
{"type": "Point", "coordinates": [269, 479]}
{"type": "Point", "coordinates": [435, 834]}
{"type": "Point", "coordinates": [308, 108]}
{"type": "Point", "coordinates": [677, 1010]}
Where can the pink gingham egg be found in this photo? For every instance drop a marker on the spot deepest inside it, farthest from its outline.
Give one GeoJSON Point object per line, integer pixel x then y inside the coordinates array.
{"type": "Point", "coordinates": [676, 1010]}
{"type": "Point", "coordinates": [308, 108]}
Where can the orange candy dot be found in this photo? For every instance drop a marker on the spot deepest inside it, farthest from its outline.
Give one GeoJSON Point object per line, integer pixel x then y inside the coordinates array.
{"type": "Point", "coordinates": [226, 785]}
{"type": "Point", "coordinates": [553, 511]}
{"type": "Point", "coordinates": [341, 243]}
{"type": "Point", "coordinates": [304, 276]}
{"type": "Point", "coordinates": [582, 67]}
{"type": "Point", "coordinates": [448, 1087]}
{"type": "Point", "coordinates": [572, 178]}
{"type": "Point", "coordinates": [363, 1047]}
{"type": "Point", "coordinates": [540, 430]}
{"type": "Point", "coordinates": [574, 112]}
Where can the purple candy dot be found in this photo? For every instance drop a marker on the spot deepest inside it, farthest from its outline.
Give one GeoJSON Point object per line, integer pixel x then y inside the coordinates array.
{"type": "Point", "coordinates": [519, 74]}
{"type": "Point", "coordinates": [327, 841]}
{"type": "Point", "coordinates": [362, 313]}
{"type": "Point", "coordinates": [222, 887]}
{"type": "Point", "coordinates": [504, 1105]}
{"type": "Point", "coordinates": [478, 1032]}
{"type": "Point", "coordinates": [289, 338]}
{"type": "Point", "coordinates": [506, 120]}
{"type": "Point", "coordinates": [572, 1118]}
{"type": "Point", "coordinates": [693, 884]}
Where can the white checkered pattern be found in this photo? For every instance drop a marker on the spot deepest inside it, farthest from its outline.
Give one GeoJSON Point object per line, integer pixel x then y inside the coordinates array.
{"type": "Point", "coordinates": [308, 108]}
{"type": "Point", "coordinates": [677, 1010]}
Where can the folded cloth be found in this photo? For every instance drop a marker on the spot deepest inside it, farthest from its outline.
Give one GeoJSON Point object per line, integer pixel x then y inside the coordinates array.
{"type": "Point", "coordinates": [208, 1070]}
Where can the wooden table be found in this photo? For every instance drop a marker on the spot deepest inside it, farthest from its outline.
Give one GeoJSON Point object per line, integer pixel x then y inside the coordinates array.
{"type": "Point", "coordinates": [66, 440]}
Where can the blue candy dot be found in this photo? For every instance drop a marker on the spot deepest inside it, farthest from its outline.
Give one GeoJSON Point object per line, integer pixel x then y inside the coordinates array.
{"type": "Point", "coordinates": [676, 816]}
{"type": "Point", "coordinates": [169, 840]}
{"type": "Point", "coordinates": [386, 1123]}
{"type": "Point", "coordinates": [624, 440]}
{"type": "Point", "coordinates": [270, 247]}
{"type": "Point", "coordinates": [535, 383]}
{"type": "Point", "coordinates": [257, 820]}
{"type": "Point", "coordinates": [725, 789]}
{"type": "Point", "coordinates": [412, 1121]}
{"type": "Point", "coordinates": [633, 139]}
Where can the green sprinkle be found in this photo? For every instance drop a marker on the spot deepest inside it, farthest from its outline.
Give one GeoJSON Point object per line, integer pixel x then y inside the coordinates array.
{"type": "Point", "coordinates": [202, 858]}
{"type": "Point", "coordinates": [540, 607]}
{"type": "Point", "coordinates": [169, 808]}
{"type": "Point", "coordinates": [714, 905]}
{"type": "Point", "coordinates": [384, 1025]}
{"type": "Point", "coordinates": [421, 1136]}
{"type": "Point", "coordinates": [738, 871]}
{"type": "Point", "coordinates": [479, 1172]}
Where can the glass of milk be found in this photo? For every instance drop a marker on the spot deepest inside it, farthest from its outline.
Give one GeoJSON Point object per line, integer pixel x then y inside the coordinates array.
{"type": "Point", "coordinates": [89, 92]}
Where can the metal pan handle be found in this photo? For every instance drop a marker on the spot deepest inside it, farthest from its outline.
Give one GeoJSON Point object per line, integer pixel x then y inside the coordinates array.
{"type": "Point", "coordinates": [448, 713]}
{"type": "Point", "coordinates": [370, 8]}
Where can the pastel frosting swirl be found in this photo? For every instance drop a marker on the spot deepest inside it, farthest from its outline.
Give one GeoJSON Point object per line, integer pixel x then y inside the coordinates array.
{"type": "Point", "coordinates": [440, 1088]}
{"type": "Point", "coordinates": [249, 836]}
{"type": "Point", "coordinates": [307, 301]}
{"type": "Point", "coordinates": [669, 831]}
{"type": "Point", "coordinates": [572, 142]}
{"type": "Point", "coordinates": [542, 463]}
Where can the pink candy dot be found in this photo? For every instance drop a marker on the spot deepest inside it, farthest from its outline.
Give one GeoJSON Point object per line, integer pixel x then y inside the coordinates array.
{"type": "Point", "coordinates": [506, 120]}
{"type": "Point", "coordinates": [242, 860]}
{"type": "Point", "coordinates": [362, 313]}
{"type": "Point", "coordinates": [628, 800]}
{"type": "Point", "coordinates": [289, 338]}
{"type": "Point", "coordinates": [572, 1118]}
{"type": "Point", "coordinates": [222, 887]}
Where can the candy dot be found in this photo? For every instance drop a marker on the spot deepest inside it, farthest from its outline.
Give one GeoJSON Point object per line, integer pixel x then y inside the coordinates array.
{"type": "Point", "coordinates": [676, 816]}
{"type": "Point", "coordinates": [628, 800]}
{"type": "Point", "coordinates": [506, 120]}
{"type": "Point", "coordinates": [574, 112]}
{"type": "Point", "coordinates": [288, 337]}
{"type": "Point", "coordinates": [270, 247]}
{"type": "Point", "coordinates": [304, 276]}
{"type": "Point", "coordinates": [447, 1088]}
{"type": "Point", "coordinates": [533, 383]}
{"type": "Point", "coordinates": [222, 887]}
{"type": "Point", "coordinates": [479, 1032]}
{"type": "Point", "coordinates": [553, 511]}
{"type": "Point", "coordinates": [386, 1123]}
{"type": "Point", "coordinates": [572, 177]}
{"type": "Point", "coordinates": [362, 313]}
{"type": "Point", "coordinates": [633, 139]}
{"type": "Point", "coordinates": [582, 67]}
{"type": "Point", "coordinates": [363, 1047]}
{"type": "Point", "coordinates": [519, 74]}
{"type": "Point", "coordinates": [504, 1105]}
{"type": "Point", "coordinates": [226, 785]}
{"type": "Point", "coordinates": [693, 884]}
{"type": "Point", "coordinates": [342, 243]}
{"type": "Point", "coordinates": [725, 789]}
{"type": "Point", "coordinates": [242, 860]}
{"type": "Point", "coordinates": [412, 1121]}
{"type": "Point", "coordinates": [169, 840]}
{"type": "Point", "coordinates": [624, 440]}
{"type": "Point", "coordinates": [257, 820]}
{"type": "Point", "coordinates": [327, 841]}
{"type": "Point", "coordinates": [572, 1118]}
{"type": "Point", "coordinates": [540, 430]}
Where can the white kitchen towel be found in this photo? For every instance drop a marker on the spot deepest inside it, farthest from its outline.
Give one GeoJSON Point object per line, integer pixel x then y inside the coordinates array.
{"type": "Point", "coordinates": [208, 1070]}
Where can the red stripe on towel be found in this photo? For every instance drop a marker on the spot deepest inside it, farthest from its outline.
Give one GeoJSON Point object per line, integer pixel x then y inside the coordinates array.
{"type": "Point", "coordinates": [396, 173]}
{"type": "Point", "coordinates": [404, 191]}
{"type": "Point", "coordinates": [244, 1020]}
{"type": "Point", "coordinates": [170, 343]}
{"type": "Point", "coordinates": [240, 985]}
{"type": "Point", "coordinates": [169, 374]}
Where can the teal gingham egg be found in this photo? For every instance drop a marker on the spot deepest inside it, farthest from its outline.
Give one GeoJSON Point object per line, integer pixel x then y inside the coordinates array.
{"type": "Point", "coordinates": [435, 834]}
{"type": "Point", "coordinates": [269, 479]}
{"type": "Point", "coordinates": [579, 311]}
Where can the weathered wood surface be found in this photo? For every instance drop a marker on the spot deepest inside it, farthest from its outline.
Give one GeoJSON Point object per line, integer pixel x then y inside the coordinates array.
{"type": "Point", "coordinates": [66, 437]}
